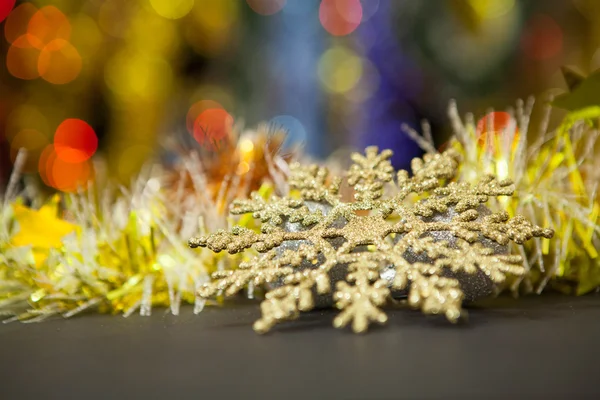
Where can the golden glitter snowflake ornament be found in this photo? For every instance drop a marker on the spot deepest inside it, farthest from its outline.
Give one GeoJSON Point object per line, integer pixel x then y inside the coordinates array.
{"type": "Point", "coordinates": [419, 242]}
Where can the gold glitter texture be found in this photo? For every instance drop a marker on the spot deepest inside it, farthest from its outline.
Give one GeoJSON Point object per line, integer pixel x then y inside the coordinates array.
{"type": "Point", "coordinates": [378, 232]}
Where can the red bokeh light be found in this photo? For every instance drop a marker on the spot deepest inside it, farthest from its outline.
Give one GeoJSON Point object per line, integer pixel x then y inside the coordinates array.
{"type": "Point", "coordinates": [340, 17]}
{"type": "Point", "coordinates": [5, 8]}
{"type": "Point", "coordinates": [495, 123]}
{"type": "Point", "coordinates": [75, 141]}
{"type": "Point", "coordinates": [211, 127]}
{"type": "Point", "coordinates": [543, 38]}
{"type": "Point", "coordinates": [196, 109]}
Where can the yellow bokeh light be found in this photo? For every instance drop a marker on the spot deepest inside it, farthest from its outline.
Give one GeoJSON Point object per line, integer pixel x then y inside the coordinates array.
{"type": "Point", "coordinates": [142, 28]}
{"type": "Point", "coordinates": [212, 27]}
{"type": "Point", "coordinates": [114, 16]}
{"type": "Point", "coordinates": [31, 140]}
{"type": "Point", "coordinates": [368, 84]}
{"type": "Point", "coordinates": [242, 168]}
{"type": "Point", "coordinates": [172, 9]}
{"type": "Point", "coordinates": [26, 116]}
{"type": "Point", "coordinates": [340, 69]}
{"type": "Point", "coordinates": [134, 75]}
{"type": "Point", "coordinates": [246, 145]}
{"type": "Point", "coordinates": [216, 14]}
{"type": "Point", "coordinates": [219, 94]}
{"type": "Point", "coordinates": [86, 36]}
{"type": "Point", "coordinates": [131, 160]}
{"type": "Point", "coordinates": [488, 9]}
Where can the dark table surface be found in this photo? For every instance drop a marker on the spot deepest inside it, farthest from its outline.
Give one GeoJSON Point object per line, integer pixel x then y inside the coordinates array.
{"type": "Point", "coordinates": [534, 347]}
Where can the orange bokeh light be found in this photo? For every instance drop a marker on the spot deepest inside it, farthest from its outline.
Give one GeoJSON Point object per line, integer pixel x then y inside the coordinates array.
{"type": "Point", "coordinates": [75, 141]}
{"type": "Point", "coordinates": [63, 175]}
{"type": "Point", "coordinates": [40, 38]}
{"type": "Point", "coordinates": [196, 109]}
{"type": "Point", "coordinates": [17, 21]}
{"type": "Point", "coordinates": [340, 17]}
{"type": "Point", "coordinates": [46, 25]}
{"type": "Point", "coordinates": [68, 177]}
{"type": "Point", "coordinates": [22, 59]}
{"type": "Point", "coordinates": [59, 62]}
{"type": "Point", "coordinates": [5, 7]}
{"type": "Point", "coordinates": [496, 123]}
{"type": "Point", "coordinates": [45, 164]}
{"type": "Point", "coordinates": [211, 127]}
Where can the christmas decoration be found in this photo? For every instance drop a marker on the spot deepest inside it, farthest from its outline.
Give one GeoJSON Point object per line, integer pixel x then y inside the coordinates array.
{"type": "Point", "coordinates": [119, 254]}
{"type": "Point", "coordinates": [555, 177]}
{"type": "Point", "coordinates": [125, 251]}
{"type": "Point", "coordinates": [238, 164]}
{"type": "Point", "coordinates": [368, 237]}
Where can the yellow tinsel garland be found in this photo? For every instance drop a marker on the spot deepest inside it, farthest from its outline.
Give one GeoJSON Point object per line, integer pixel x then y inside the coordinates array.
{"type": "Point", "coordinates": [123, 258]}
{"type": "Point", "coordinates": [124, 251]}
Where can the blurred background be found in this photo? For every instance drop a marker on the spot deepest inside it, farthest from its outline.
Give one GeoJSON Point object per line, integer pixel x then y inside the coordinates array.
{"type": "Point", "coordinates": [117, 79]}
